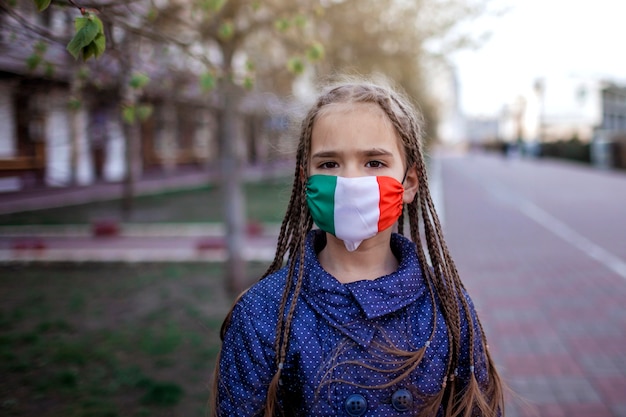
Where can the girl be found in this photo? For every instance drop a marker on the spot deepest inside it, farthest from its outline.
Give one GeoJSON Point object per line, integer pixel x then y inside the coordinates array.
{"type": "Point", "coordinates": [360, 320]}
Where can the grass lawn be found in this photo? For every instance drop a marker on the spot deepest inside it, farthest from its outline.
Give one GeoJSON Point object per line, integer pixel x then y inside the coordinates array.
{"type": "Point", "coordinates": [108, 340]}
{"type": "Point", "coordinates": [266, 201]}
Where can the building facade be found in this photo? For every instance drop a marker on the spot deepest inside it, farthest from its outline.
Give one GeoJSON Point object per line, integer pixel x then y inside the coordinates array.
{"type": "Point", "coordinates": [60, 127]}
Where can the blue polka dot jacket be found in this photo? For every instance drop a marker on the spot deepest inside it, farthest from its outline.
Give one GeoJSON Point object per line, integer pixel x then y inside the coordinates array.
{"type": "Point", "coordinates": [339, 351]}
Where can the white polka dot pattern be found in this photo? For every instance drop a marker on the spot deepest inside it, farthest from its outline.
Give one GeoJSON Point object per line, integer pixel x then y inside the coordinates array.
{"type": "Point", "coordinates": [339, 342]}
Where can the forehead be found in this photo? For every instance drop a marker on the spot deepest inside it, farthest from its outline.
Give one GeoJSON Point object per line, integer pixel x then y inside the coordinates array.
{"type": "Point", "coordinates": [350, 109]}
{"type": "Point", "coordinates": [357, 124]}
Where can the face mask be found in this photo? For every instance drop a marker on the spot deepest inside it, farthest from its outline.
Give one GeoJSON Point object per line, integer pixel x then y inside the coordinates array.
{"type": "Point", "coordinates": [354, 209]}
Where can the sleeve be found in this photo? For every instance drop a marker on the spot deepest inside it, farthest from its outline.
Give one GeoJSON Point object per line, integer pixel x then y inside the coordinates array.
{"type": "Point", "coordinates": [246, 364]}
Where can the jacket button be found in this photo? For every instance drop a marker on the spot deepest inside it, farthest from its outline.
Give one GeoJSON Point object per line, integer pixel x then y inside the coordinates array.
{"type": "Point", "coordinates": [355, 405]}
{"type": "Point", "coordinates": [402, 400]}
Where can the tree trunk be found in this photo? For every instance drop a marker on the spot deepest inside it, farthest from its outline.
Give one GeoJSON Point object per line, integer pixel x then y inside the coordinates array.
{"type": "Point", "coordinates": [131, 155]}
{"type": "Point", "coordinates": [76, 89]}
{"type": "Point", "coordinates": [233, 199]}
{"type": "Point", "coordinates": [74, 145]}
{"type": "Point", "coordinates": [131, 138]}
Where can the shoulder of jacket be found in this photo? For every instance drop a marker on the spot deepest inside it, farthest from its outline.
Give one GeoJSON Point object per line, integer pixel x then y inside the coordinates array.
{"type": "Point", "coordinates": [266, 293]}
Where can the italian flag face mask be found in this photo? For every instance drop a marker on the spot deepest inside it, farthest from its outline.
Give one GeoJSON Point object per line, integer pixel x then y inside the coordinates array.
{"type": "Point", "coordinates": [354, 209]}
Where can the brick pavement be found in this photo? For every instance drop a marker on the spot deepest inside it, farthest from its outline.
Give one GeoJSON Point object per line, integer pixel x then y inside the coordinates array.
{"type": "Point", "coordinates": [555, 314]}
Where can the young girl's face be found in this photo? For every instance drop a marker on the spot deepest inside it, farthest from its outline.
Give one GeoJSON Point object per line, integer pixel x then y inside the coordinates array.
{"type": "Point", "coordinates": [355, 140]}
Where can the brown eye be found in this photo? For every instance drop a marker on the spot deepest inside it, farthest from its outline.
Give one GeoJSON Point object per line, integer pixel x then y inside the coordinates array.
{"type": "Point", "coordinates": [375, 164]}
{"type": "Point", "coordinates": [328, 165]}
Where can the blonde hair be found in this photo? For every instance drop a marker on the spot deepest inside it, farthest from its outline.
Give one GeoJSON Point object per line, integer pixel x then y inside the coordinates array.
{"type": "Point", "coordinates": [442, 277]}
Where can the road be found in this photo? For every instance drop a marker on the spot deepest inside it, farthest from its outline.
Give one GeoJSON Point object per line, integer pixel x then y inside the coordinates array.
{"type": "Point", "coordinates": [541, 247]}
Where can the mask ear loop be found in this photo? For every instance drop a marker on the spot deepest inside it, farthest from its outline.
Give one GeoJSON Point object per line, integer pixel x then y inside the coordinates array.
{"type": "Point", "coordinates": [406, 172]}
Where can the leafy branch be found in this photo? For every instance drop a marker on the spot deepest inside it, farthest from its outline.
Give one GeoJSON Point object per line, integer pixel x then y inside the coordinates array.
{"type": "Point", "coordinates": [89, 39]}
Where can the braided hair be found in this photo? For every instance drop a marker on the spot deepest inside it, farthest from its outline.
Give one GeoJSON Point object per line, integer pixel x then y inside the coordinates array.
{"type": "Point", "coordinates": [442, 277]}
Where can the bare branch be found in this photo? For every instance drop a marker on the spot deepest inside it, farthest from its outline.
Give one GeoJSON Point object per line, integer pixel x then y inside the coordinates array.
{"type": "Point", "coordinates": [39, 30]}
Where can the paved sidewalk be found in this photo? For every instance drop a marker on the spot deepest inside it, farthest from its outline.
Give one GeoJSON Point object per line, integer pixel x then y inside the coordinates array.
{"type": "Point", "coordinates": [132, 243]}
{"type": "Point", "coordinates": [541, 246]}
{"type": "Point", "coordinates": [151, 182]}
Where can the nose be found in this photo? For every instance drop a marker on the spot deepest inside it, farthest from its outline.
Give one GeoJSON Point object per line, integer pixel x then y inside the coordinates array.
{"type": "Point", "coordinates": [351, 170]}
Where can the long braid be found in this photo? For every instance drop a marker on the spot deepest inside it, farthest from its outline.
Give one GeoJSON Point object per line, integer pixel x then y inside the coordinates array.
{"type": "Point", "coordinates": [431, 407]}
{"type": "Point", "coordinates": [300, 222]}
{"type": "Point", "coordinates": [283, 236]}
{"type": "Point", "coordinates": [431, 224]}
{"type": "Point", "coordinates": [409, 130]}
{"type": "Point", "coordinates": [449, 306]}
{"type": "Point", "coordinates": [445, 268]}
{"type": "Point", "coordinates": [293, 219]}
{"type": "Point", "coordinates": [473, 395]}
{"type": "Point", "coordinates": [282, 331]}
{"type": "Point", "coordinates": [286, 241]}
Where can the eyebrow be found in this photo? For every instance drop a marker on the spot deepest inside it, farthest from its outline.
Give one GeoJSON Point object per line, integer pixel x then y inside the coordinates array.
{"type": "Point", "coordinates": [376, 152]}
{"type": "Point", "coordinates": [367, 152]}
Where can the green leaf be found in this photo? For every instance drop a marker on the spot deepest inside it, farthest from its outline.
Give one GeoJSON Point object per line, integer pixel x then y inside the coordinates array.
{"type": "Point", "coordinates": [89, 51]}
{"type": "Point", "coordinates": [207, 82]}
{"type": "Point", "coordinates": [41, 47]}
{"type": "Point", "coordinates": [42, 4]}
{"type": "Point", "coordinates": [100, 43]}
{"type": "Point", "coordinates": [88, 31]}
{"type": "Point", "coordinates": [80, 23]}
{"type": "Point", "coordinates": [300, 20]}
{"type": "Point", "coordinates": [213, 5]}
{"type": "Point", "coordinates": [315, 52]}
{"type": "Point", "coordinates": [139, 80]}
{"type": "Point", "coordinates": [73, 103]}
{"type": "Point", "coordinates": [128, 114]}
{"type": "Point", "coordinates": [152, 14]}
{"type": "Point", "coordinates": [32, 62]}
{"type": "Point", "coordinates": [83, 73]}
{"type": "Point", "coordinates": [98, 22]}
{"type": "Point", "coordinates": [48, 69]}
{"type": "Point", "coordinates": [295, 65]}
{"type": "Point", "coordinates": [226, 30]}
{"type": "Point", "coordinates": [248, 83]}
{"type": "Point", "coordinates": [144, 111]}
{"type": "Point", "coordinates": [282, 25]}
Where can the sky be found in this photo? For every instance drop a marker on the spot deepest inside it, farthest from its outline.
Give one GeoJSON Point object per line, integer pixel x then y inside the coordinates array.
{"type": "Point", "coordinates": [540, 38]}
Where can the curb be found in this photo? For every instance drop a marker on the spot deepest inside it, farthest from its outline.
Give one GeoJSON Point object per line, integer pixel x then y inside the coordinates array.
{"type": "Point", "coordinates": [130, 256]}
{"type": "Point", "coordinates": [131, 230]}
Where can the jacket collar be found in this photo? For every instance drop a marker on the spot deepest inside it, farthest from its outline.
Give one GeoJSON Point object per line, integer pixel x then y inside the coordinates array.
{"type": "Point", "coordinates": [350, 307]}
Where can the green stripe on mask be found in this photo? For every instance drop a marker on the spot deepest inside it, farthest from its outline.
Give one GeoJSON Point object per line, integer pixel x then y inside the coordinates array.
{"type": "Point", "coordinates": [320, 197]}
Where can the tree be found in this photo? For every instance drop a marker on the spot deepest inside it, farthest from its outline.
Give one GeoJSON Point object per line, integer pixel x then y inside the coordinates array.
{"type": "Point", "coordinates": [400, 39]}
{"type": "Point", "coordinates": [404, 40]}
{"type": "Point", "coordinates": [231, 28]}
{"type": "Point", "coordinates": [240, 42]}
{"type": "Point", "coordinates": [197, 30]}
{"type": "Point", "coordinates": [87, 40]}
